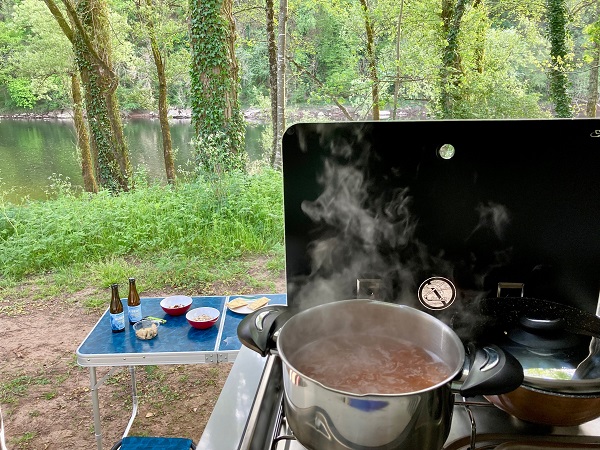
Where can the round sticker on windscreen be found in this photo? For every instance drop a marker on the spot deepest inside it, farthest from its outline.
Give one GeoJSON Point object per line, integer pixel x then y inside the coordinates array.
{"type": "Point", "coordinates": [437, 293]}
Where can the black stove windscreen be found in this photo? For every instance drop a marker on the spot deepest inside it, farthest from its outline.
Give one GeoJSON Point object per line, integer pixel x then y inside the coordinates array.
{"type": "Point", "coordinates": [478, 205]}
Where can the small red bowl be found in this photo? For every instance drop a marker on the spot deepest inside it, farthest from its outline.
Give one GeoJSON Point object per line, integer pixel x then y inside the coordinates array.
{"type": "Point", "coordinates": [176, 305]}
{"type": "Point", "coordinates": [196, 319]}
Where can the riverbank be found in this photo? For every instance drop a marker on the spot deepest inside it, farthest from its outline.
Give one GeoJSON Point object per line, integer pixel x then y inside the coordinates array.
{"type": "Point", "coordinates": [251, 115]}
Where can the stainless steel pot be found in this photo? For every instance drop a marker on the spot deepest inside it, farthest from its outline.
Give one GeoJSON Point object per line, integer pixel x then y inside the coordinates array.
{"type": "Point", "coordinates": [324, 418]}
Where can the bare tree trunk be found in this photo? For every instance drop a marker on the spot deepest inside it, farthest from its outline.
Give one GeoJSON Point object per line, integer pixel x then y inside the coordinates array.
{"type": "Point", "coordinates": [163, 109]}
{"type": "Point", "coordinates": [480, 40]}
{"type": "Point", "coordinates": [281, 51]}
{"type": "Point", "coordinates": [371, 60]}
{"type": "Point", "coordinates": [83, 139]}
{"type": "Point", "coordinates": [234, 68]}
{"type": "Point", "coordinates": [592, 97]}
{"type": "Point", "coordinates": [398, 41]}
{"type": "Point", "coordinates": [272, 50]}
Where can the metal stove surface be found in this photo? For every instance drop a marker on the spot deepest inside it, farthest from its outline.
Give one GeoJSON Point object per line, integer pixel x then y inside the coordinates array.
{"type": "Point", "coordinates": [248, 416]}
{"type": "Point", "coordinates": [476, 424]}
{"type": "Point", "coordinates": [508, 434]}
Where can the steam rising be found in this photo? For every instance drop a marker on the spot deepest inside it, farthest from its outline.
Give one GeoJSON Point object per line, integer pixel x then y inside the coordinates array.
{"type": "Point", "coordinates": [494, 217]}
{"type": "Point", "coordinates": [364, 236]}
{"type": "Point", "coordinates": [367, 232]}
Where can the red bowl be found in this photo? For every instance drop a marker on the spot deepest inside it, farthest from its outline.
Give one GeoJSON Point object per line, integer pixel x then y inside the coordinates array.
{"type": "Point", "coordinates": [176, 305]}
{"type": "Point", "coordinates": [193, 317]}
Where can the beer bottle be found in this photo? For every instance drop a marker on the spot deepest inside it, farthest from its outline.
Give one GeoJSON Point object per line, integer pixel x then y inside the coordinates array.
{"type": "Point", "coordinates": [134, 307]}
{"type": "Point", "coordinates": [117, 316]}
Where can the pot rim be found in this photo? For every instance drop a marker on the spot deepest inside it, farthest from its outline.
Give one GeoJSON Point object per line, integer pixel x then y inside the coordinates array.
{"type": "Point", "coordinates": [572, 395]}
{"type": "Point", "coordinates": [563, 387]}
{"type": "Point", "coordinates": [447, 381]}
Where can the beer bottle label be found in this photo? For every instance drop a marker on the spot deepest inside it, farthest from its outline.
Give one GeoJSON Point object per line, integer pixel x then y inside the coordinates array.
{"type": "Point", "coordinates": [117, 321]}
{"type": "Point", "coordinates": [135, 313]}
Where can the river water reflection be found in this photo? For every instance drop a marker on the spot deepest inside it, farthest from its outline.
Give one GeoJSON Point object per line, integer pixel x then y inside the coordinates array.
{"type": "Point", "coordinates": [31, 151]}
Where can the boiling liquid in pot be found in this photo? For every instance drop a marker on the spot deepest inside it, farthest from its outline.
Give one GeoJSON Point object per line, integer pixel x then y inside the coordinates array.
{"type": "Point", "coordinates": [367, 364]}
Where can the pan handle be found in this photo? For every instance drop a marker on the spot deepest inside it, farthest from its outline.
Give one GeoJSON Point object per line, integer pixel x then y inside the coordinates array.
{"type": "Point", "coordinates": [491, 371]}
{"type": "Point", "coordinates": [258, 330]}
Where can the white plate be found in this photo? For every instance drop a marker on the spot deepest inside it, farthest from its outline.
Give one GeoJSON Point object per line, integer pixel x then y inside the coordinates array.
{"type": "Point", "coordinates": [244, 309]}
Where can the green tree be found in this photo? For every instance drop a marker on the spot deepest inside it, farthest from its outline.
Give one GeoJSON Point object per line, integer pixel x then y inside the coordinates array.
{"type": "Point", "coordinates": [593, 57]}
{"type": "Point", "coordinates": [47, 63]}
{"type": "Point", "coordinates": [162, 26]}
{"type": "Point", "coordinates": [371, 57]}
{"type": "Point", "coordinates": [37, 58]}
{"type": "Point", "coordinates": [325, 49]}
{"type": "Point", "coordinates": [87, 28]}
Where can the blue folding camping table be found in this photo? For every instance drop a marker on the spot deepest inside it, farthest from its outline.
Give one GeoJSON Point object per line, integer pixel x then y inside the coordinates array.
{"type": "Point", "coordinates": [177, 343]}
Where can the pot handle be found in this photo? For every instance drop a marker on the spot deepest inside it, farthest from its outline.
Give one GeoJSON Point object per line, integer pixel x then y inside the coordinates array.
{"type": "Point", "coordinates": [492, 371]}
{"type": "Point", "coordinates": [258, 330]}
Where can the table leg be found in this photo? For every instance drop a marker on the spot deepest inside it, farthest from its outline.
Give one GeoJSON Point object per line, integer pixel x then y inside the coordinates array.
{"type": "Point", "coordinates": [94, 386]}
{"type": "Point", "coordinates": [96, 407]}
{"type": "Point", "coordinates": [134, 400]}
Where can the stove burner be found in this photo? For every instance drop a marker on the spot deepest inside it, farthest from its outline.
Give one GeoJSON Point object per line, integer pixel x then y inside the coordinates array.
{"type": "Point", "coordinates": [476, 425]}
{"type": "Point", "coordinates": [484, 441]}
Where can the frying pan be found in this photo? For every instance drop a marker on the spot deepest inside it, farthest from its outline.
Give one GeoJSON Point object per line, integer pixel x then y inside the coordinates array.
{"type": "Point", "coordinates": [550, 327]}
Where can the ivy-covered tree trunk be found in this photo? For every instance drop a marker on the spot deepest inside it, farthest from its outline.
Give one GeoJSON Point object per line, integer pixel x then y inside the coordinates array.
{"type": "Point", "coordinates": [88, 31]}
{"type": "Point", "coordinates": [559, 64]}
{"type": "Point", "coordinates": [105, 116]}
{"type": "Point", "coordinates": [83, 141]}
{"type": "Point", "coordinates": [218, 122]}
{"type": "Point", "coordinates": [451, 64]}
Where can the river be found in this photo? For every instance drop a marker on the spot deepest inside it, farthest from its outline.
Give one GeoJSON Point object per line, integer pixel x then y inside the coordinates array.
{"type": "Point", "coordinates": [34, 151]}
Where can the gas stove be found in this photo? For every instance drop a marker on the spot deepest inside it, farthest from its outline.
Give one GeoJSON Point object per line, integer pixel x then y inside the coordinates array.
{"type": "Point", "coordinates": [249, 415]}
{"type": "Point", "coordinates": [435, 215]}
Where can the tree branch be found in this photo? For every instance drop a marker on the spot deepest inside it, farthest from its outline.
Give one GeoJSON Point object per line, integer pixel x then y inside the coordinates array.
{"type": "Point", "coordinates": [60, 19]}
{"type": "Point", "coordinates": [316, 80]}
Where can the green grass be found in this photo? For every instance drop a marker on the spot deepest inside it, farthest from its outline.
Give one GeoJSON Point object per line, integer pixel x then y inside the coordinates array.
{"type": "Point", "coordinates": [188, 236]}
{"type": "Point", "coordinates": [24, 439]}
{"type": "Point", "coordinates": [17, 387]}
{"type": "Point", "coordinates": [50, 395]}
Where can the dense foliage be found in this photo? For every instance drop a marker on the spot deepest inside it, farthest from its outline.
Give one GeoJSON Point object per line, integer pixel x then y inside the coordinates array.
{"type": "Point", "coordinates": [235, 216]}
{"type": "Point", "coordinates": [500, 58]}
